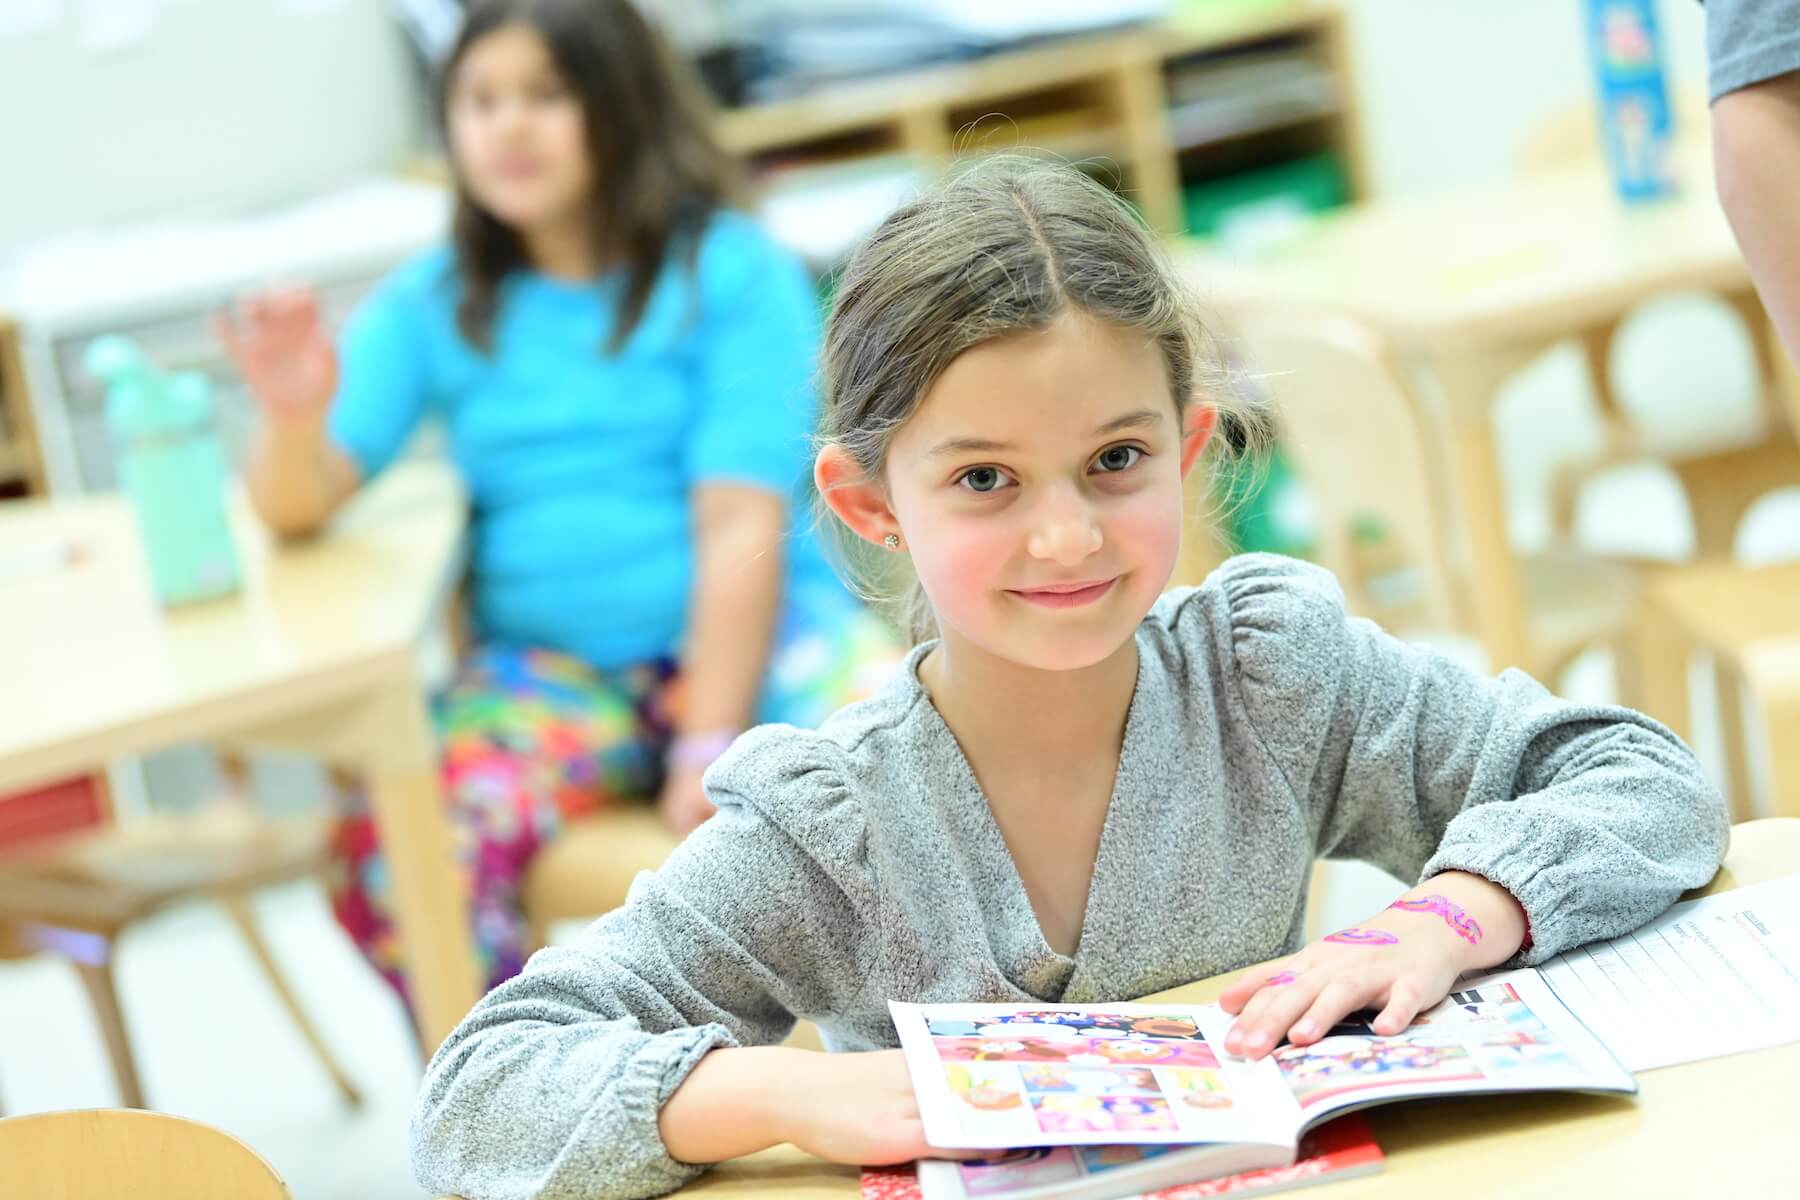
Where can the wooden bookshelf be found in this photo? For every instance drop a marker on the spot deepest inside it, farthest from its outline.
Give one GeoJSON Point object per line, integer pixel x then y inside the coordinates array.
{"type": "Point", "coordinates": [1104, 97]}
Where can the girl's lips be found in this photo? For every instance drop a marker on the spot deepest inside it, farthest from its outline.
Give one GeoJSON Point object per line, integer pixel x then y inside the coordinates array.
{"type": "Point", "coordinates": [1067, 595]}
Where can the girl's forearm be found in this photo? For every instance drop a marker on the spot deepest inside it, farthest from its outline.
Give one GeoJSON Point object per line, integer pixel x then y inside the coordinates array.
{"type": "Point", "coordinates": [737, 598]}
{"type": "Point", "coordinates": [1756, 152]}
{"type": "Point", "coordinates": [731, 1104]}
{"type": "Point", "coordinates": [296, 478]}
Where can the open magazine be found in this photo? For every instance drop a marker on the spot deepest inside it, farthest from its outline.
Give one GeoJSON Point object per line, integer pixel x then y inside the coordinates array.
{"type": "Point", "coordinates": [1007, 1076]}
{"type": "Point", "coordinates": [1710, 977]}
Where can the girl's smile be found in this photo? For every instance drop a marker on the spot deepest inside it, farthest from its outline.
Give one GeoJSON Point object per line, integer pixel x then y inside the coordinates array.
{"type": "Point", "coordinates": [1066, 595]}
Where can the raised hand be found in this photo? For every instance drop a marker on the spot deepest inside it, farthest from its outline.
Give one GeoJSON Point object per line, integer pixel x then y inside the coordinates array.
{"type": "Point", "coordinates": [280, 345]}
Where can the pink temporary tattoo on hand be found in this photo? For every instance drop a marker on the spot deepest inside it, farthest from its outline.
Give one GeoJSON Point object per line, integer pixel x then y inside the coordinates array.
{"type": "Point", "coordinates": [1458, 920]}
{"type": "Point", "coordinates": [1363, 937]}
{"type": "Point", "coordinates": [1279, 978]}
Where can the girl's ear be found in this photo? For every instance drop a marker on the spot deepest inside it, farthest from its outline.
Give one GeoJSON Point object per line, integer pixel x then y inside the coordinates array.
{"type": "Point", "coordinates": [859, 502]}
{"type": "Point", "coordinates": [1201, 420]}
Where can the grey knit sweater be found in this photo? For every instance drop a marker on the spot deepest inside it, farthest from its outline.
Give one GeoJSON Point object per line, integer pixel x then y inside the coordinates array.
{"type": "Point", "coordinates": [860, 864]}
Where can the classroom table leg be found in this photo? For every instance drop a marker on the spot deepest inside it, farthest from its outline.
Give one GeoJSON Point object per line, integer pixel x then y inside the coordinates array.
{"type": "Point", "coordinates": [1496, 591]}
{"type": "Point", "coordinates": [431, 905]}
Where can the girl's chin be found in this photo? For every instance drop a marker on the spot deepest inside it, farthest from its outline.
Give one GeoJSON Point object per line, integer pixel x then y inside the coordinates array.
{"type": "Point", "coordinates": [1069, 652]}
{"type": "Point", "coordinates": [521, 212]}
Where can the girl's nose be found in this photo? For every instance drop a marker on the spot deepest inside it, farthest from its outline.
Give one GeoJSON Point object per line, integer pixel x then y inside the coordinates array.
{"type": "Point", "coordinates": [1066, 532]}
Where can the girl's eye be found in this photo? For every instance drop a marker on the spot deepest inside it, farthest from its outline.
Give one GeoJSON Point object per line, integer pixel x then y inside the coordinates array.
{"type": "Point", "coordinates": [982, 479]}
{"type": "Point", "coordinates": [1118, 458]}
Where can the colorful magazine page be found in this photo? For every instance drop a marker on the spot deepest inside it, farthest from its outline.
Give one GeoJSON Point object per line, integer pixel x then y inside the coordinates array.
{"type": "Point", "coordinates": [994, 1076]}
{"type": "Point", "coordinates": [1340, 1149]}
{"type": "Point", "coordinates": [1505, 1032]}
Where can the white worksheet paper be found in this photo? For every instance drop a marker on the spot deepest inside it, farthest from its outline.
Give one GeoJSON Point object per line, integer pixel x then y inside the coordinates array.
{"type": "Point", "coordinates": [1710, 977]}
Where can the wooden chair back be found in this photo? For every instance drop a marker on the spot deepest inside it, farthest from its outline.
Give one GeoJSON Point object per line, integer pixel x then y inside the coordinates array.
{"type": "Point", "coordinates": [128, 1154]}
{"type": "Point", "coordinates": [1362, 445]}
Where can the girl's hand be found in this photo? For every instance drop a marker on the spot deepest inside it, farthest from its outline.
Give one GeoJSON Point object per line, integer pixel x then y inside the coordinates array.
{"type": "Point", "coordinates": [1401, 961]}
{"type": "Point", "coordinates": [855, 1108]}
{"type": "Point", "coordinates": [279, 343]}
{"type": "Point", "coordinates": [683, 801]}
{"type": "Point", "coordinates": [849, 1108]}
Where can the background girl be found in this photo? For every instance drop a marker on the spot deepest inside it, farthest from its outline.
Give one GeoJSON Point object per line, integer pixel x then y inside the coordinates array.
{"type": "Point", "coordinates": [624, 366]}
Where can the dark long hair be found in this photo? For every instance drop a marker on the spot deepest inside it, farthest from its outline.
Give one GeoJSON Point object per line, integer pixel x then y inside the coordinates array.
{"type": "Point", "coordinates": [659, 175]}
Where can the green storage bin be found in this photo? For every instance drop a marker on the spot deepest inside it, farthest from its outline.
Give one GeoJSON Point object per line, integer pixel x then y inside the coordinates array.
{"type": "Point", "coordinates": [1303, 185]}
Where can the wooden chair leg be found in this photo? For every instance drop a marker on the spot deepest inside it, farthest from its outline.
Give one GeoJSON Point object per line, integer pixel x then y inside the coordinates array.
{"type": "Point", "coordinates": [237, 907]}
{"type": "Point", "coordinates": [1660, 668]}
{"type": "Point", "coordinates": [1628, 686]}
{"type": "Point", "coordinates": [103, 994]}
{"type": "Point", "coordinates": [1782, 712]}
{"type": "Point", "coordinates": [1740, 790]}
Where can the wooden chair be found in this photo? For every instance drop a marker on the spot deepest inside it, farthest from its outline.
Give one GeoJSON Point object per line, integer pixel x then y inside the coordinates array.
{"type": "Point", "coordinates": [1366, 448]}
{"type": "Point", "coordinates": [76, 895]}
{"type": "Point", "coordinates": [1364, 445]}
{"type": "Point", "coordinates": [1748, 620]}
{"type": "Point", "coordinates": [587, 870]}
{"type": "Point", "coordinates": [126, 1154]}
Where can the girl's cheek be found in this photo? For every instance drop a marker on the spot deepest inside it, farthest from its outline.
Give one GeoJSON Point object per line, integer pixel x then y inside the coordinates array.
{"type": "Point", "coordinates": [1149, 527]}
{"type": "Point", "coordinates": [961, 563]}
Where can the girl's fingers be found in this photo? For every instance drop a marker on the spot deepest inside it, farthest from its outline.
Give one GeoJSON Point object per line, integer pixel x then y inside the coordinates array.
{"type": "Point", "coordinates": [1402, 1006]}
{"type": "Point", "coordinates": [1260, 998]}
{"type": "Point", "coordinates": [295, 306]}
{"type": "Point", "coordinates": [1337, 1000]}
{"type": "Point", "coordinates": [1267, 1017]}
{"type": "Point", "coordinates": [1233, 998]}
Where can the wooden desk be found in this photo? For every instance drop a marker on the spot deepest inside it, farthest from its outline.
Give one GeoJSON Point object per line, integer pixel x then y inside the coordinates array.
{"type": "Point", "coordinates": [318, 653]}
{"type": "Point", "coordinates": [1472, 285]}
{"type": "Point", "coordinates": [1715, 1128]}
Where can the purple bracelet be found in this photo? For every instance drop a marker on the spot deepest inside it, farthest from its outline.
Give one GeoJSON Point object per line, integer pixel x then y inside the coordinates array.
{"type": "Point", "coordinates": [700, 749]}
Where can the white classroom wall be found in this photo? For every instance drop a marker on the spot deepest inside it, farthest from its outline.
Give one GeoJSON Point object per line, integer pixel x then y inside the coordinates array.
{"type": "Point", "coordinates": [213, 107]}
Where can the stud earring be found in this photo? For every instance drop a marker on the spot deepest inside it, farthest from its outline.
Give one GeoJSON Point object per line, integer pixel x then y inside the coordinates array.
{"type": "Point", "coordinates": [891, 541]}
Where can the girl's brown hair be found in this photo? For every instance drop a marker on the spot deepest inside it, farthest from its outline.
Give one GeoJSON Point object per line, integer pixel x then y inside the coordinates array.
{"type": "Point", "coordinates": [1004, 246]}
{"type": "Point", "coordinates": [659, 173]}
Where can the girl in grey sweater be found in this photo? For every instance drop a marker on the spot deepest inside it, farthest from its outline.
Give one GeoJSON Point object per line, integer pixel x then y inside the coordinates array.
{"type": "Point", "coordinates": [1079, 788]}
